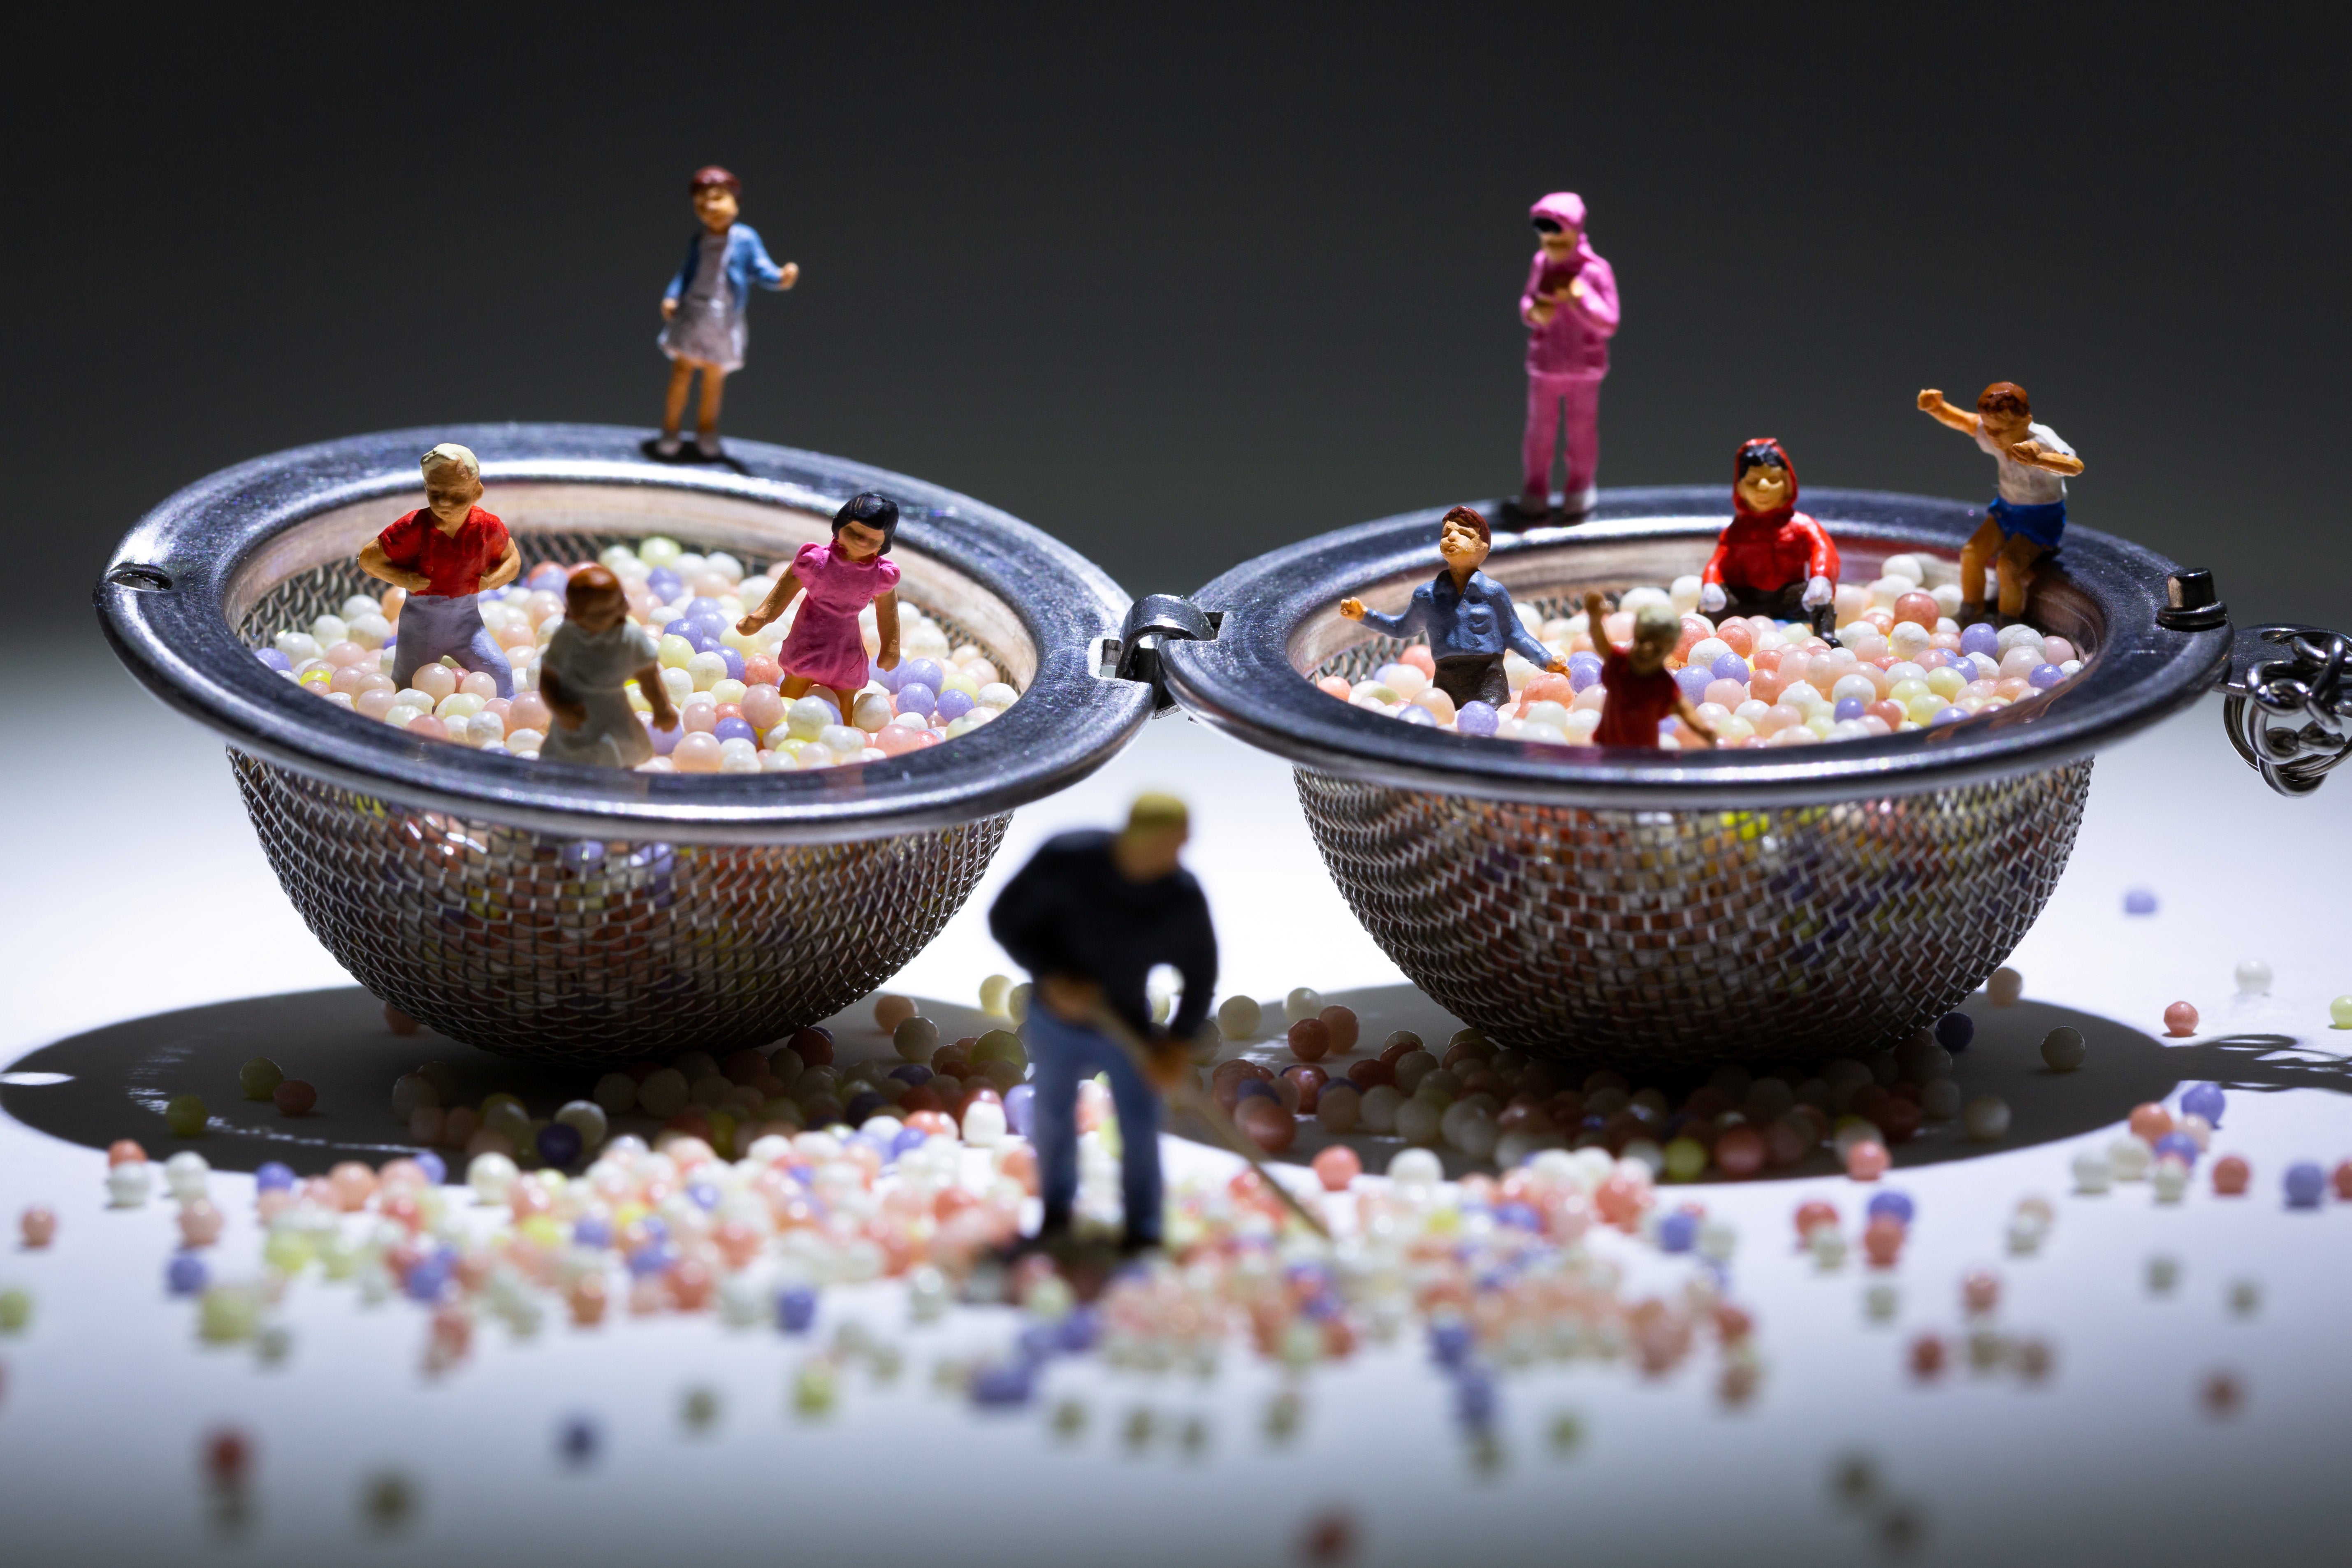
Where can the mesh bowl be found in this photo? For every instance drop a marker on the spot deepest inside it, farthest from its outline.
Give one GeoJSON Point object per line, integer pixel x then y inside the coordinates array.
{"type": "Point", "coordinates": [1659, 906]}
{"type": "Point", "coordinates": [566, 912]}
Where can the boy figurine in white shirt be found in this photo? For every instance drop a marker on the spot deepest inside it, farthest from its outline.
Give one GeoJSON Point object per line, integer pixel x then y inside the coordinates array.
{"type": "Point", "coordinates": [2029, 514]}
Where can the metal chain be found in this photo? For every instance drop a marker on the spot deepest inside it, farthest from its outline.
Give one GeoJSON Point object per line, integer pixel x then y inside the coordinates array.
{"type": "Point", "coordinates": [2311, 683]}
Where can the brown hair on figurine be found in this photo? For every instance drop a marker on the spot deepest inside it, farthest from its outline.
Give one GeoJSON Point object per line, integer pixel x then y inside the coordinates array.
{"type": "Point", "coordinates": [2004, 397]}
{"type": "Point", "coordinates": [712, 174]}
{"type": "Point", "coordinates": [1470, 520]}
{"type": "Point", "coordinates": [585, 585]}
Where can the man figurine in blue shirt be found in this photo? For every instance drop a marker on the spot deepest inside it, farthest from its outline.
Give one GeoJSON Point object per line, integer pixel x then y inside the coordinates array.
{"type": "Point", "coordinates": [1090, 917]}
{"type": "Point", "coordinates": [1468, 616]}
{"type": "Point", "coordinates": [702, 309]}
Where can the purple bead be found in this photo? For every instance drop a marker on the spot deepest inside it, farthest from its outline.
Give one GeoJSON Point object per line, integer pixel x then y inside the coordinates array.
{"type": "Point", "coordinates": [1003, 1385]}
{"type": "Point", "coordinates": [185, 1275]}
{"type": "Point", "coordinates": [703, 641]}
{"type": "Point", "coordinates": [665, 741]}
{"type": "Point", "coordinates": [680, 627]}
{"type": "Point", "coordinates": [907, 1138]}
{"type": "Point", "coordinates": [559, 1144]}
{"type": "Point", "coordinates": [2139, 901]}
{"type": "Point", "coordinates": [273, 1178]}
{"type": "Point", "coordinates": [1583, 670]}
{"type": "Point", "coordinates": [1678, 1231]}
{"type": "Point", "coordinates": [1849, 708]}
{"type": "Point", "coordinates": [1982, 638]}
{"type": "Point", "coordinates": [1412, 713]}
{"type": "Point", "coordinates": [1693, 681]}
{"type": "Point", "coordinates": [911, 1073]}
{"type": "Point", "coordinates": [665, 584]}
{"type": "Point", "coordinates": [578, 1440]}
{"type": "Point", "coordinates": [1449, 1341]}
{"type": "Point", "coordinates": [795, 1309]}
{"type": "Point", "coordinates": [1021, 1108]}
{"type": "Point", "coordinates": [2180, 1145]}
{"type": "Point", "coordinates": [953, 705]}
{"type": "Point", "coordinates": [1950, 716]}
{"type": "Point", "coordinates": [1897, 1205]}
{"type": "Point", "coordinates": [703, 604]}
{"type": "Point", "coordinates": [653, 1257]}
{"type": "Point", "coordinates": [547, 576]}
{"type": "Point", "coordinates": [713, 624]}
{"type": "Point", "coordinates": [921, 672]}
{"type": "Point", "coordinates": [2306, 1184]}
{"type": "Point", "coordinates": [1729, 666]}
{"type": "Point", "coordinates": [1476, 718]}
{"type": "Point", "coordinates": [275, 660]}
{"type": "Point", "coordinates": [435, 1169]}
{"type": "Point", "coordinates": [731, 728]}
{"type": "Point", "coordinates": [1954, 1031]}
{"type": "Point", "coordinates": [2204, 1099]}
{"type": "Point", "coordinates": [863, 1104]}
{"type": "Point", "coordinates": [890, 680]}
{"type": "Point", "coordinates": [2045, 676]}
{"type": "Point", "coordinates": [593, 1231]}
{"type": "Point", "coordinates": [916, 696]}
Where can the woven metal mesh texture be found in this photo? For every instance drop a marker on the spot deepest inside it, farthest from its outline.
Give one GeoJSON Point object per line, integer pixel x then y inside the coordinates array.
{"type": "Point", "coordinates": [564, 950]}
{"type": "Point", "coordinates": [1660, 936]}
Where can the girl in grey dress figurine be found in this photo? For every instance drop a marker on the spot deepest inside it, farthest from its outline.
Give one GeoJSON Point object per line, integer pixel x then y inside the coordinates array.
{"type": "Point", "coordinates": [703, 308]}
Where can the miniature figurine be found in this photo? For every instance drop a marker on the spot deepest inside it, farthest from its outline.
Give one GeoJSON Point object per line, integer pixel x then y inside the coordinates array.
{"type": "Point", "coordinates": [1641, 693]}
{"type": "Point", "coordinates": [1089, 917]}
{"type": "Point", "coordinates": [583, 672]}
{"type": "Point", "coordinates": [1569, 305]}
{"type": "Point", "coordinates": [2028, 515]}
{"type": "Point", "coordinates": [1773, 560]}
{"type": "Point", "coordinates": [825, 646]}
{"type": "Point", "coordinates": [1468, 616]}
{"type": "Point", "coordinates": [443, 554]}
{"type": "Point", "coordinates": [703, 309]}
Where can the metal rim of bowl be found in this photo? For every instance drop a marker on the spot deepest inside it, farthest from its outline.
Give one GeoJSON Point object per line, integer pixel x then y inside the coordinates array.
{"type": "Point", "coordinates": [164, 603]}
{"type": "Point", "coordinates": [1276, 616]}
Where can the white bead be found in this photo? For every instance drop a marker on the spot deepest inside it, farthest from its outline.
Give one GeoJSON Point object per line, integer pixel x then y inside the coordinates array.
{"type": "Point", "coordinates": [126, 1186]}
{"type": "Point", "coordinates": [185, 1174]}
{"type": "Point", "coordinates": [2091, 1171]}
{"type": "Point", "coordinates": [2129, 1156]}
{"type": "Point", "coordinates": [2253, 977]}
{"type": "Point", "coordinates": [1304, 1002]}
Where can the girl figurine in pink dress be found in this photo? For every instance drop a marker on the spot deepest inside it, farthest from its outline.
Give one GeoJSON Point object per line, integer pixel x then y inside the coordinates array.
{"type": "Point", "coordinates": [825, 646]}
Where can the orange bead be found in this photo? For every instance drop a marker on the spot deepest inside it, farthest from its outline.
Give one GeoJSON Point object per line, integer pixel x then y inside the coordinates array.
{"type": "Point", "coordinates": [1882, 1240]}
{"type": "Point", "coordinates": [1813, 1214]}
{"type": "Point", "coordinates": [1866, 1160]}
{"type": "Point", "coordinates": [1343, 1027]}
{"type": "Point", "coordinates": [2180, 1018]}
{"type": "Point", "coordinates": [690, 1284]}
{"type": "Point", "coordinates": [1310, 1039]}
{"type": "Point", "coordinates": [2150, 1121]}
{"type": "Point", "coordinates": [2230, 1175]}
{"type": "Point", "coordinates": [1979, 1290]}
{"type": "Point", "coordinates": [1337, 1167]}
{"type": "Point", "coordinates": [124, 1152]}
{"type": "Point", "coordinates": [586, 1297]}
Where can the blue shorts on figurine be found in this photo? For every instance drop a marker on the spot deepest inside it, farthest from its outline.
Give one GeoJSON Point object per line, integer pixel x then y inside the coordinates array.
{"type": "Point", "coordinates": [2042, 524]}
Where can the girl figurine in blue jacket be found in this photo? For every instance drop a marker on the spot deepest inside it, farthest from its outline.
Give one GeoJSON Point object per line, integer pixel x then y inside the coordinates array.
{"type": "Point", "coordinates": [703, 308]}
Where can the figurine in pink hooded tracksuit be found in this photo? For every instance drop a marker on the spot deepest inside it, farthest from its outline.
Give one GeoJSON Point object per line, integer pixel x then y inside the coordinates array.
{"type": "Point", "coordinates": [1569, 305]}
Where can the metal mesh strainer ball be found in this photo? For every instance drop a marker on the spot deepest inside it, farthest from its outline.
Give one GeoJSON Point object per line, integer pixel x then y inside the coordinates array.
{"type": "Point", "coordinates": [571, 913]}
{"type": "Point", "coordinates": [1667, 906]}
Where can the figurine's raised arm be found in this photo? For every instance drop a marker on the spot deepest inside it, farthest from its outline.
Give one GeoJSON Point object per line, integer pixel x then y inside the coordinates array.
{"type": "Point", "coordinates": [1934, 405]}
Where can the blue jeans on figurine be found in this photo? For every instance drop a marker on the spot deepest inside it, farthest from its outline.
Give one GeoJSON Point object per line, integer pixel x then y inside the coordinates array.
{"type": "Point", "coordinates": [1065, 1053]}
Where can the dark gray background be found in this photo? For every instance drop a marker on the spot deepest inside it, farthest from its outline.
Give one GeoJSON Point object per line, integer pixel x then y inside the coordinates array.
{"type": "Point", "coordinates": [1178, 287]}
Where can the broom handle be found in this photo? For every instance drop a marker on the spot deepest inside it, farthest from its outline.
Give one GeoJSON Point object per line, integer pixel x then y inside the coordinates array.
{"type": "Point", "coordinates": [1186, 1092]}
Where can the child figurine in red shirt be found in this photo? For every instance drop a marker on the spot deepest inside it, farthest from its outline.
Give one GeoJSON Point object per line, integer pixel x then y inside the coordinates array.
{"type": "Point", "coordinates": [1773, 560]}
{"type": "Point", "coordinates": [443, 554]}
{"type": "Point", "coordinates": [1641, 693]}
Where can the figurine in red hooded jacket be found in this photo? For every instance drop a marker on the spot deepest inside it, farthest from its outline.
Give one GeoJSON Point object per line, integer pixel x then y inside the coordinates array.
{"type": "Point", "coordinates": [1773, 560]}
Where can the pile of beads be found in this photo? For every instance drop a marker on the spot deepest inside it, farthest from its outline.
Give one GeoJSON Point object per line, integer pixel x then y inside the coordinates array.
{"type": "Point", "coordinates": [1490, 1103]}
{"type": "Point", "coordinates": [725, 685]}
{"type": "Point", "coordinates": [1899, 662]}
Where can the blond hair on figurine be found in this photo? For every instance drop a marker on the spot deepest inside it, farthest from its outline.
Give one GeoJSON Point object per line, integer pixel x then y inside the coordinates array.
{"type": "Point", "coordinates": [449, 452]}
{"type": "Point", "coordinates": [1658, 623]}
{"type": "Point", "coordinates": [1157, 813]}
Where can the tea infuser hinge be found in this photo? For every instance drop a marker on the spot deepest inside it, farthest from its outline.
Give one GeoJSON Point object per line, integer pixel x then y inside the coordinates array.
{"type": "Point", "coordinates": [1151, 620]}
{"type": "Point", "coordinates": [2192, 603]}
{"type": "Point", "coordinates": [2312, 682]}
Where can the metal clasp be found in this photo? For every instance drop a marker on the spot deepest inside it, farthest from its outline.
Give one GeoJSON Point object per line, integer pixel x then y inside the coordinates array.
{"type": "Point", "coordinates": [2312, 682]}
{"type": "Point", "coordinates": [1151, 620]}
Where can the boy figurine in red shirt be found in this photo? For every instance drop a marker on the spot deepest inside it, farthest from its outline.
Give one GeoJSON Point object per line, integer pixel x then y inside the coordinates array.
{"type": "Point", "coordinates": [1641, 694]}
{"type": "Point", "coordinates": [443, 554]}
{"type": "Point", "coordinates": [1773, 560]}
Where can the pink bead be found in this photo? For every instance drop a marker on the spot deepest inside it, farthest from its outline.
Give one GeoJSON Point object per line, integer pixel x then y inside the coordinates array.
{"type": "Point", "coordinates": [425, 727]}
{"type": "Point", "coordinates": [1738, 636]}
{"type": "Point", "coordinates": [1335, 685]}
{"type": "Point", "coordinates": [200, 1222]}
{"type": "Point", "coordinates": [2055, 650]}
{"type": "Point", "coordinates": [1866, 1160]}
{"type": "Point", "coordinates": [897, 740]}
{"type": "Point", "coordinates": [1420, 658]}
{"type": "Point", "coordinates": [373, 704]}
{"type": "Point", "coordinates": [1919, 609]}
{"type": "Point", "coordinates": [529, 710]}
{"type": "Point", "coordinates": [1979, 1290]}
{"type": "Point", "coordinates": [347, 652]}
{"type": "Point", "coordinates": [2180, 1018]}
{"type": "Point", "coordinates": [696, 753]}
{"type": "Point", "coordinates": [354, 1185]}
{"type": "Point", "coordinates": [39, 1226]}
{"type": "Point", "coordinates": [702, 718]}
{"type": "Point", "coordinates": [1729, 694]}
{"type": "Point", "coordinates": [763, 706]}
{"type": "Point", "coordinates": [124, 1152]}
{"type": "Point", "coordinates": [351, 679]}
{"type": "Point", "coordinates": [1887, 710]}
{"type": "Point", "coordinates": [762, 669]}
{"type": "Point", "coordinates": [1338, 1166]}
{"type": "Point", "coordinates": [2009, 687]}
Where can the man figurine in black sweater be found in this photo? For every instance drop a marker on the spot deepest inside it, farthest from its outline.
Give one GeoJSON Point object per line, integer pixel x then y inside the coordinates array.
{"type": "Point", "coordinates": [1089, 917]}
